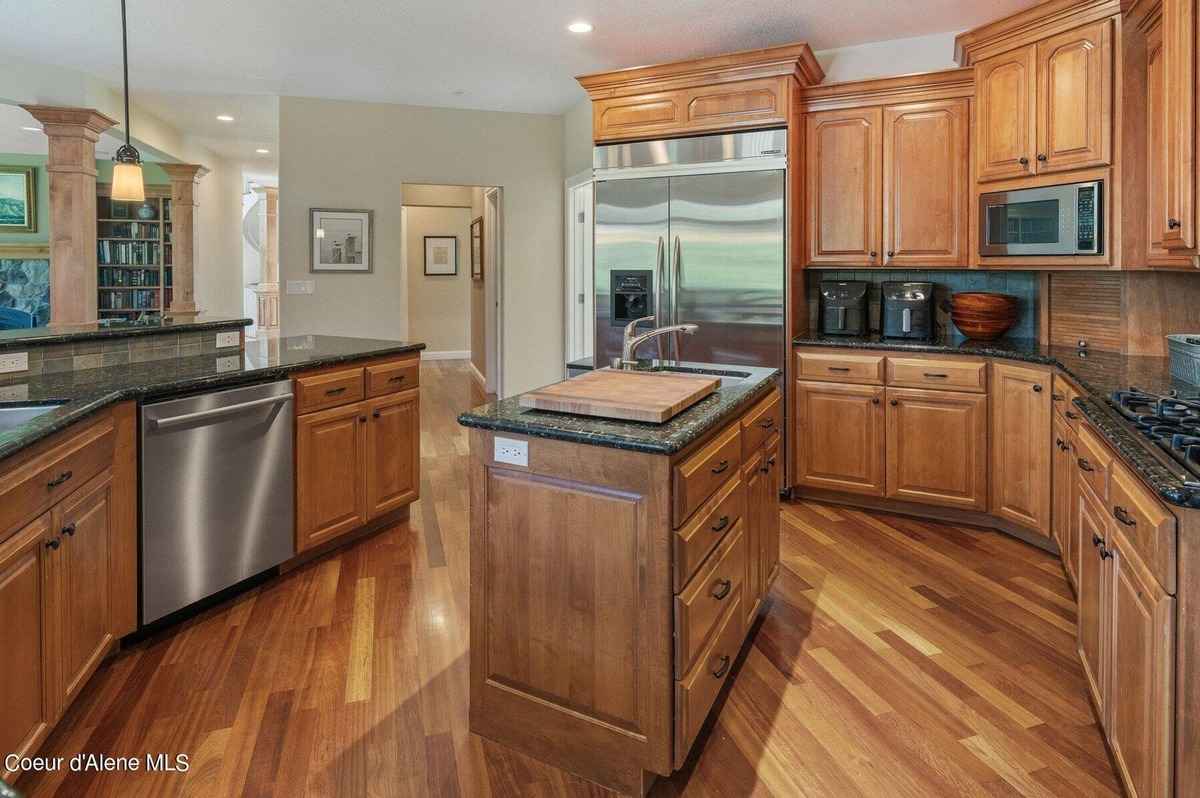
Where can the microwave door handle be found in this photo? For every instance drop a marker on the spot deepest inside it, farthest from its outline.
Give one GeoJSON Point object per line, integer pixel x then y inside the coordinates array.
{"type": "Point", "coordinates": [906, 320]}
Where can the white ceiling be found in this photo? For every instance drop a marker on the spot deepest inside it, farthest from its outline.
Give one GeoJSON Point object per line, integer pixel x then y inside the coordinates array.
{"type": "Point", "coordinates": [14, 138]}
{"type": "Point", "coordinates": [512, 55]}
{"type": "Point", "coordinates": [255, 122]}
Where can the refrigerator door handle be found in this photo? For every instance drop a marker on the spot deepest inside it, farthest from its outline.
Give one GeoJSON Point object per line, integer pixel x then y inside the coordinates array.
{"type": "Point", "coordinates": [660, 276]}
{"type": "Point", "coordinates": [676, 276]}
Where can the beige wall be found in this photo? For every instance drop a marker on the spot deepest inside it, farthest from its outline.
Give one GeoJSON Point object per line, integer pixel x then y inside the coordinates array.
{"type": "Point", "coordinates": [424, 194]}
{"type": "Point", "coordinates": [337, 154]}
{"type": "Point", "coordinates": [439, 307]}
{"type": "Point", "coordinates": [577, 138]}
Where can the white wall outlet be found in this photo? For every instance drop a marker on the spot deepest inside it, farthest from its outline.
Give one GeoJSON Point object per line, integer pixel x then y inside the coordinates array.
{"type": "Point", "coordinates": [301, 286]}
{"type": "Point", "coordinates": [229, 363]}
{"type": "Point", "coordinates": [512, 452]}
{"type": "Point", "coordinates": [14, 393]}
{"type": "Point", "coordinates": [14, 361]}
{"type": "Point", "coordinates": [228, 339]}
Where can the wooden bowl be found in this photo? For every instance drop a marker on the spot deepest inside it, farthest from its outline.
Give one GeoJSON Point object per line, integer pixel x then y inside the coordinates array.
{"type": "Point", "coordinates": [982, 315]}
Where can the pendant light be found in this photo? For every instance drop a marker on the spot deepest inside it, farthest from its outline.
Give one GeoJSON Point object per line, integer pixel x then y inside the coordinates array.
{"type": "Point", "coordinates": [127, 163]}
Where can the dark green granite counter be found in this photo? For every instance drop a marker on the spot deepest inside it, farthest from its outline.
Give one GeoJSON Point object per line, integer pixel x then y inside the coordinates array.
{"type": "Point", "coordinates": [43, 336]}
{"type": "Point", "coordinates": [88, 390]}
{"type": "Point", "coordinates": [670, 437]}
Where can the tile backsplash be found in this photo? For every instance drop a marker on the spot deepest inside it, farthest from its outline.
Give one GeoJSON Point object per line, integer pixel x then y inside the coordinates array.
{"type": "Point", "coordinates": [1022, 285]}
{"type": "Point", "coordinates": [100, 353]}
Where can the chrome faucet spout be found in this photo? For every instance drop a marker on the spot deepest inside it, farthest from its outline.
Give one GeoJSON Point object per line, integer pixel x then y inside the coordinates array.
{"type": "Point", "coordinates": [631, 342]}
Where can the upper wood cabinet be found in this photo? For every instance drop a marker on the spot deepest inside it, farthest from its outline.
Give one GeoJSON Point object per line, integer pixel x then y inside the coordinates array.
{"type": "Point", "coordinates": [1020, 445]}
{"type": "Point", "coordinates": [844, 201]}
{"type": "Point", "coordinates": [1046, 107]}
{"type": "Point", "coordinates": [926, 191]}
{"type": "Point", "coordinates": [1178, 119]}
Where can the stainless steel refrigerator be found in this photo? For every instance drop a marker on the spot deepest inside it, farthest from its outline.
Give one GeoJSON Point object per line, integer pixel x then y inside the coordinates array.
{"type": "Point", "coordinates": [692, 230]}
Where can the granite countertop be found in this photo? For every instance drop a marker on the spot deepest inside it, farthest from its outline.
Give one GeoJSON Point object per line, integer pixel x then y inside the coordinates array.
{"type": "Point", "coordinates": [89, 390]}
{"type": "Point", "coordinates": [670, 437]}
{"type": "Point", "coordinates": [1098, 374]}
{"type": "Point", "coordinates": [40, 336]}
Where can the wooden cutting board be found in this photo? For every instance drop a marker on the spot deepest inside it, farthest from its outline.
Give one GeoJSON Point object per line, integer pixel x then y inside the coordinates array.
{"type": "Point", "coordinates": [654, 396]}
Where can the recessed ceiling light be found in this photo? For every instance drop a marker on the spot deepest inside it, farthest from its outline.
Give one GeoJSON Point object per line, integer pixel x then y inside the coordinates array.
{"type": "Point", "coordinates": [458, 92]}
{"type": "Point", "coordinates": [263, 151]}
{"type": "Point", "coordinates": [224, 118]}
{"type": "Point", "coordinates": [580, 27]}
{"type": "Point", "coordinates": [31, 129]}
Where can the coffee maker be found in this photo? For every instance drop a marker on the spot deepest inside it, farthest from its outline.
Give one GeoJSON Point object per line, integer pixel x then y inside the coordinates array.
{"type": "Point", "coordinates": [843, 307]}
{"type": "Point", "coordinates": [907, 310]}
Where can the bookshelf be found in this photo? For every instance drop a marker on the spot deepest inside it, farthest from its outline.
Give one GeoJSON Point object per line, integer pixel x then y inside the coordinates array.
{"type": "Point", "coordinates": [133, 254]}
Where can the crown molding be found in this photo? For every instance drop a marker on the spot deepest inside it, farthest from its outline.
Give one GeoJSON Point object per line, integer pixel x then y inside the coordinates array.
{"type": "Point", "coordinates": [917, 87]}
{"type": "Point", "coordinates": [1028, 26]}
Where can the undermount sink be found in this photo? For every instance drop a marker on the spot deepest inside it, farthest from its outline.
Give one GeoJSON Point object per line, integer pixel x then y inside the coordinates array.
{"type": "Point", "coordinates": [728, 377]}
{"type": "Point", "coordinates": [14, 414]}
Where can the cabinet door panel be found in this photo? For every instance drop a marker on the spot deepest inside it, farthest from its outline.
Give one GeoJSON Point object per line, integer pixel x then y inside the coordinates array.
{"type": "Point", "coordinates": [393, 452]}
{"type": "Point", "coordinates": [1093, 604]}
{"type": "Point", "coordinates": [1060, 511]}
{"type": "Point", "coordinates": [770, 522]}
{"type": "Point", "coordinates": [1157, 166]}
{"type": "Point", "coordinates": [330, 490]}
{"type": "Point", "coordinates": [840, 437]}
{"type": "Point", "coordinates": [1021, 445]}
{"type": "Point", "coordinates": [1005, 124]}
{"type": "Point", "coordinates": [1075, 99]}
{"type": "Point", "coordinates": [925, 176]}
{"type": "Point", "coordinates": [1179, 123]}
{"type": "Point", "coordinates": [83, 609]}
{"type": "Point", "coordinates": [1141, 700]}
{"type": "Point", "coordinates": [937, 447]}
{"type": "Point", "coordinates": [26, 695]}
{"type": "Point", "coordinates": [844, 199]}
{"type": "Point", "coordinates": [755, 475]}
{"type": "Point", "coordinates": [642, 115]}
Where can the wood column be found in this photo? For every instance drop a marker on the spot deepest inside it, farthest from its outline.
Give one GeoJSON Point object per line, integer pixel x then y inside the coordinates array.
{"type": "Point", "coordinates": [71, 166]}
{"type": "Point", "coordinates": [184, 177]}
{"type": "Point", "coordinates": [268, 286]}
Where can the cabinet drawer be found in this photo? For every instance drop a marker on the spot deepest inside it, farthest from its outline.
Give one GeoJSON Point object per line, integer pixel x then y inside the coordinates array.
{"type": "Point", "coordinates": [1063, 395]}
{"type": "Point", "coordinates": [397, 375]}
{"type": "Point", "coordinates": [764, 419]}
{"type": "Point", "coordinates": [699, 606]}
{"type": "Point", "coordinates": [954, 375]}
{"type": "Point", "coordinates": [333, 388]}
{"type": "Point", "coordinates": [697, 477]}
{"type": "Point", "coordinates": [31, 487]}
{"type": "Point", "coordinates": [707, 527]}
{"type": "Point", "coordinates": [750, 102]}
{"type": "Point", "coordinates": [1093, 461]}
{"type": "Point", "coordinates": [840, 367]}
{"type": "Point", "coordinates": [696, 692]}
{"type": "Point", "coordinates": [630, 117]}
{"type": "Point", "coordinates": [1145, 523]}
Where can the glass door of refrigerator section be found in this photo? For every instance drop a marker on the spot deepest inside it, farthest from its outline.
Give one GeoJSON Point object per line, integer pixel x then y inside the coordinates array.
{"type": "Point", "coordinates": [630, 262]}
{"type": "Point", "coordinates": [725, 266]}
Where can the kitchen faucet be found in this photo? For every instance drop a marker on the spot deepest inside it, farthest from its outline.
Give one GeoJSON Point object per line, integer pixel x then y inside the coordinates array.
{"type": "Point", "coordinates": [630, 342]}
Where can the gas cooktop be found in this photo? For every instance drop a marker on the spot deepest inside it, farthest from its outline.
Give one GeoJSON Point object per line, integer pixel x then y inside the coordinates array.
{"type": "Point", "coordinates": [1171, 421]}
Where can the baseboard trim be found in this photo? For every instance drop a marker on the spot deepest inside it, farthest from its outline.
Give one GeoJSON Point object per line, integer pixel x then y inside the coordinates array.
{"type": "Point", "coordinates": [477, 375]}
{"type": "Point", "coordinates": [448, 354]}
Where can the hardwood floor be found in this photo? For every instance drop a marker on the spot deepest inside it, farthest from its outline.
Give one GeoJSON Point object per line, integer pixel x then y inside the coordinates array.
{"type": "Point", "coordinates": [897, 658]}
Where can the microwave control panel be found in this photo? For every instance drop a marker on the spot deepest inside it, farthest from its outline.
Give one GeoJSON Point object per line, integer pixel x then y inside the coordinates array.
{"type": "Point", "coordinates": [1087, 207]}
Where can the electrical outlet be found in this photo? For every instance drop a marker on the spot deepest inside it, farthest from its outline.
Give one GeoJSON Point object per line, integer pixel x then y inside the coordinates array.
{"type": "Point", "coordinates": [14, 393]}
{"type": "Point", "coordinates": [512, 452]}
{"type": "Point", "coordinates": [227, 339]}
{"type": "Point", "coordinates": [228, 363]}
{"type": "Point", "coordinates": [14, 361]}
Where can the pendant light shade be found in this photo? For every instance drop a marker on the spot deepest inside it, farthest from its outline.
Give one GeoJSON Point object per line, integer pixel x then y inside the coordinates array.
{"type": "Point", "coordinates": [127, 182]}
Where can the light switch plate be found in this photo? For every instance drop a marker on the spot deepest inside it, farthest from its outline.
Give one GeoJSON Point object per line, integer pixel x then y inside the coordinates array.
{"type": "Point", "coordinates": [301, 286]}
{"type": "Point", "coordinates": [14, 361]}
{"type": "Point", "coordinates": [511, 451]}
{"type": "Point", "coordinates": [227, 339]}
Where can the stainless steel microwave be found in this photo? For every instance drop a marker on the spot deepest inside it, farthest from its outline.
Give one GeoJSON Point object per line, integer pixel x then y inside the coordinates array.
{"type": "Point", "coordinates": [1052, 220]}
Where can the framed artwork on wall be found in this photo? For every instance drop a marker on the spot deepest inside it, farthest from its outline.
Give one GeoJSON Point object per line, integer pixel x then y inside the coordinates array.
{"type": "Point", "coordinates": [340, 240]}
{"type": "Point", "coordinates": [477, 249]}
{"type": "Point", "coordinates": [441, 256]}
{"type": "Point", "coordinates": [18, 199]}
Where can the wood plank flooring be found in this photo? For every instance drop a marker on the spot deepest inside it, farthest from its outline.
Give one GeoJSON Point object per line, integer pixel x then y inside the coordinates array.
{"type": "Point", "coordinates": [898, 658]}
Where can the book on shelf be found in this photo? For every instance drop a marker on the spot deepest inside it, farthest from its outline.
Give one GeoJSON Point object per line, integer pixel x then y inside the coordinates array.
{"type": "Point", "coordinates": [134, 230]}
{"type": "Point", "coordinates": [128, 253]}
{"type": "Point", "coordinates": [141, 299]}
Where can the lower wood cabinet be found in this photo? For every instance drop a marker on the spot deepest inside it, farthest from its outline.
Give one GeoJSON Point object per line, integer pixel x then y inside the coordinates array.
{"type": "Point", "coordinates": [937, 447]}
{"type": "Point", "coordinates": [393, 452]}
{"type": "Point", "coordinates": [1090, 589]}
{"type": "Point", "coordinates": [840, 437]}
{"type": "Point", "coordinates": [1020, 445]}
{"type": "Point", "coordinates": [1061, 512]}
{"type": "Point", "coordinates": [762, 477]}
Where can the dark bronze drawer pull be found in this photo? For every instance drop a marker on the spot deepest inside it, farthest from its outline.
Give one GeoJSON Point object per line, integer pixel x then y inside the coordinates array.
{"type": "Point", "coordinates": [1058, 397]}
{"type": "Point", "coordinates": [722, 588]}
{"type": "Point", "coordinates": [1097, 540]}
{"type": "Point", "coordinates": [1122, 515]}
{"type": "Point", "coordinates": [721, 524]}
{"type": "Point", "coordinates": [60, 479]}
{"type": "Point", "coordinates": [1084, 465]}
{"type": "Point", "coordinates": [397, 378]}
{"type": "Point", "coordinates": [69, 529]}
{"type": "Point", "coordinates": [770, 464]}
{"type": "Point", "coordinates": [721, 467]}
{"type": "Point", "coordinates": [724, 666]}
{"type": "Point", "coordinates": [1105, 552]}
{"type": "Point", "coordinates": [335, 391]}
{"type": "Point", "coordinates": [767, 423]}
{"type": "Point", "coordinates": [838, 368]}
{"type": "Point", "coordinates": [1071, 415]}
{"type": "Point", "coordinates": [376, 414]}
{"type": "Point", "coordinates": [934, 376]}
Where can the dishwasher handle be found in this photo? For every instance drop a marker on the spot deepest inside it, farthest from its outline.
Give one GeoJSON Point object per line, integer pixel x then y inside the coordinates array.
{"type": "Point", "coordinates": [217, 412]}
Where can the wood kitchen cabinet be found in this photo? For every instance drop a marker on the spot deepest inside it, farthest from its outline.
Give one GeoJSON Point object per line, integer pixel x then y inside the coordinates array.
{"type": "Point", "coordinates": [840, 437]}
{"type": "Point", "coordinates": [937, 447]}
{"type": "Point", "coordinates": [1091, 592]}
{"type": "Point", "coordinates": [1020, 444]}
{"type": "Point", "coordinates": [1046, 107]}
{"type": "Point", "coordinates": [1176, 227]}
{"type": "Point", "coordinates": [844, 199]}
{"type": "Point", "coordinates": [393, 451]}
{"type": "Point", "coordinates": [331, 492]}
{"type": "Point", "coordinates": [762, 477]}
{"type": "Point", "coordinates": [1061, 511]}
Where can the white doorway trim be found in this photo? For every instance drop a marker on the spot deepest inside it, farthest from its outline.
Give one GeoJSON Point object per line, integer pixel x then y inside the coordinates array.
{"type": "Point", "coordinates": [493, 226]}
{"type": "Point", "coordinates": [578, 296]}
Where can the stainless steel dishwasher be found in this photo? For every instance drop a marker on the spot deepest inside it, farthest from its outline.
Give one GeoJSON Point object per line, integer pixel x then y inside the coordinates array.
{"type": "Point", "coordinates": [216, 493]}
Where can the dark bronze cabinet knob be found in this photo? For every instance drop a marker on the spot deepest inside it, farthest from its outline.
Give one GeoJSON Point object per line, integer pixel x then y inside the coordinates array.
{"type": "Point", "coordinates": [894, 402]}
{"type": "Point", "coordinates": [1097, 540]}
{"type": "Point", "coordinates": [1105, 552]}
{"type": "Point", "coordinates": [53, 544]}
{"type": "Point", "coordinates": [1023, 161]}
{"type": "Point", "coordinates": [874, 253]}
{"type": "Point", "coordinates": [1037, 388]}
{"type": "Point", "coordinates": [69, 529]}
{"type": "Point", "coordinates": [875, 400]}
{"type": "Point", "coordinates": [1041, 157]}
{"type": "Point", "coordinates": [1174, 224]}
{"type": "Point", "coordinates": [891, 253]}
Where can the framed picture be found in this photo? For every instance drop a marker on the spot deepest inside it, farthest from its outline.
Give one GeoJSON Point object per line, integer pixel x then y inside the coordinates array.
{"type": "Point", "coordinates": [477, 249]}
{"type": "Point", "coordinates": [441, 255]}
{"type": "Point", "coordinates": [18, 199]}
{"type": "Point", "coordinates": [340, 240]}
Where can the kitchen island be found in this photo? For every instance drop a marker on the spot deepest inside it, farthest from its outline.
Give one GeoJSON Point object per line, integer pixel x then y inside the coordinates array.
{"type": "Point", "coordinates": [616, 570]}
